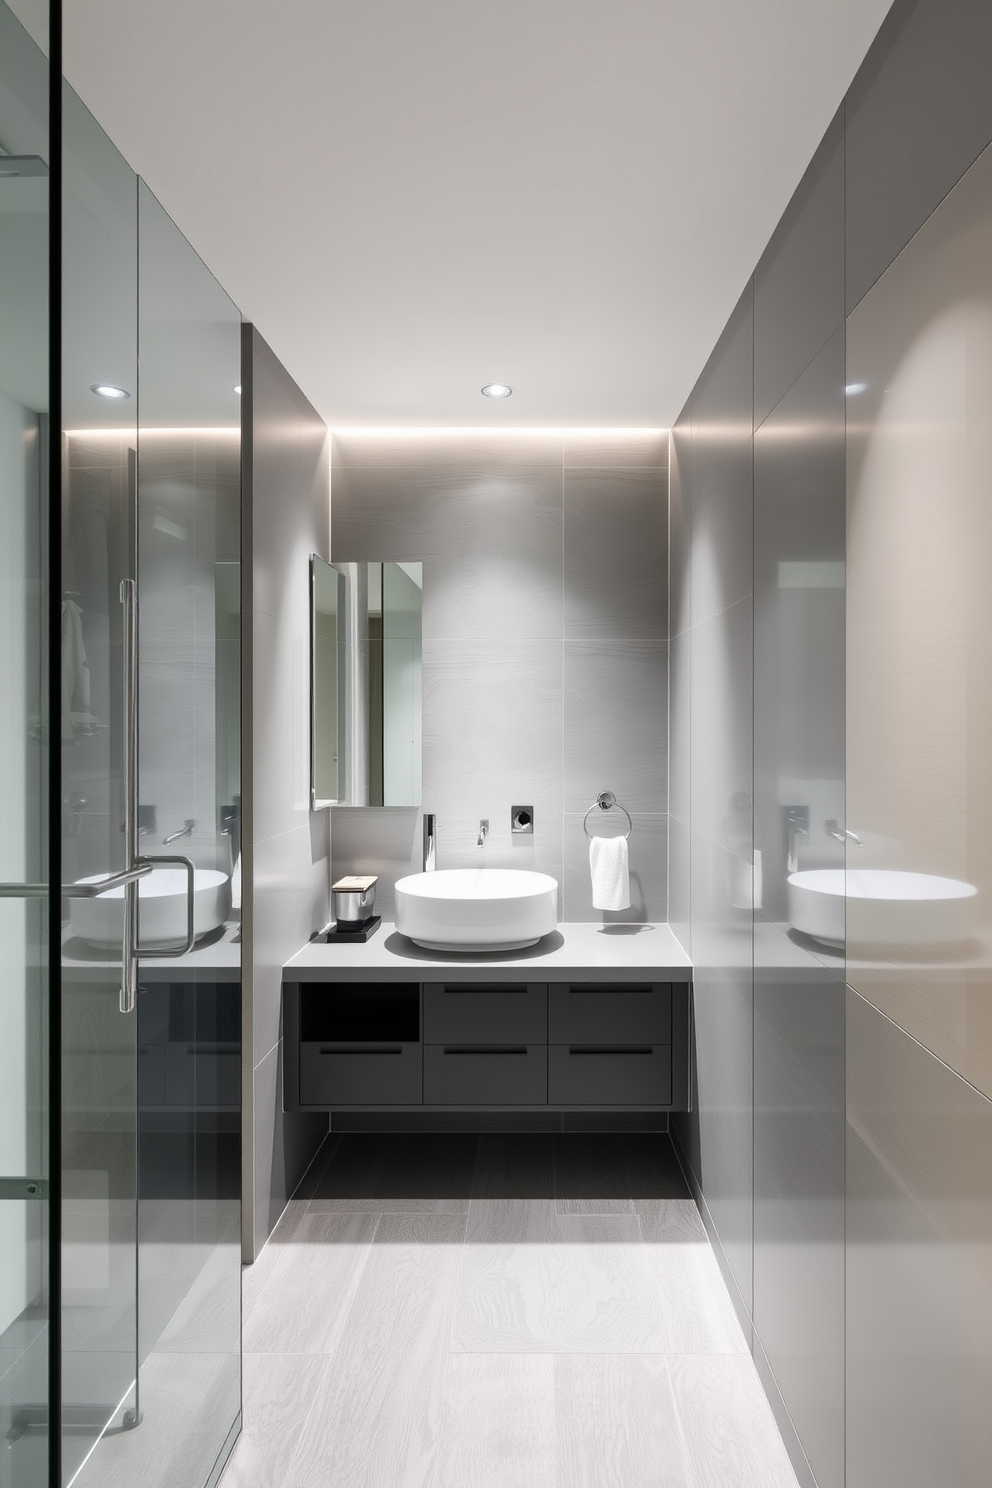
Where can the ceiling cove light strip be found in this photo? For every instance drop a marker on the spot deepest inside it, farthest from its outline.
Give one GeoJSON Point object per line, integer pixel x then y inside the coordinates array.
{"type": "Point", "coordinates": [404, 431]}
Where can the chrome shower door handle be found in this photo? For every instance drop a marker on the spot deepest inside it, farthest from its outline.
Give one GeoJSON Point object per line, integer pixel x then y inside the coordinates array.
{"type": "Point", "coordinates": [187, 945]}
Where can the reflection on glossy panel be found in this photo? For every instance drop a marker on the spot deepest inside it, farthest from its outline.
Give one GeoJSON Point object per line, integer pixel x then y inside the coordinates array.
{"type": "Point", "coordinates": [799, 698]}
{"type": "Point", "coordinates": [799, 1189]}
{"type": "Point", "coordinates": [919, 1264]}
{"type": "Point", "coordinates": [920, 625]}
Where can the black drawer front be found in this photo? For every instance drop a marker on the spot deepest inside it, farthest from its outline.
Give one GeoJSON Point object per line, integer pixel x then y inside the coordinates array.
{"type": "Point", "coordinates": [460, 1012]}
{"type": "Point", "coordinates": [360, 1012]}
{"type": "Point", "coordinates": [365, 1074]}
{"type": "Point", "coordinates": [594, 1075]}
{"type": "Point", "coordinates": [477, 1075]}
{"type": "Point", "coordinates": [634, 1013]}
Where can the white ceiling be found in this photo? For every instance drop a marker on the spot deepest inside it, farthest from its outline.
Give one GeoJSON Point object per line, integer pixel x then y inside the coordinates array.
{"type": "Point", "coordinates": [411, 198]}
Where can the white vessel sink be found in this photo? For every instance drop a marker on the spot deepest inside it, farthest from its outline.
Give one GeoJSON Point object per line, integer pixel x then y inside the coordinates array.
{"type": "Point", "coordinates": [881, 906]}
{"type": "Point", "coordinates": [161, 909]}
{"type": "Point", "coordinates": [476, 909]}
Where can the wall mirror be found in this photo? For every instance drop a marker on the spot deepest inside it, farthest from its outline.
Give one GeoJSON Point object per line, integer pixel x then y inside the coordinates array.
{"type": "Point", "coordinates": [385, 606]}
{"type": "Point", "coordinates": [328, 680]}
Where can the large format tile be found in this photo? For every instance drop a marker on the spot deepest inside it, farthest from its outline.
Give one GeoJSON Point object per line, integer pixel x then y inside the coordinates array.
{"type": "Point", "coordinates": [289, 900]}
{"type": "Point", "coordinates": [647, 851]}
{"type": "Point", "coordinates": [616, 554]}
{"type": "Point", "coordinates": [386, 1381]}
{"type": "Point", "coordinates": [799, 1127]}
{"type": "Point", "coordinates": [918, 113]}
{"type": "Point", "coordinates": [799, 281]}
{"type": "Point", "coordinates": [386, 841]}
{"type": "Point", "coordinates": [616, 723]}
{"type": "Point", "coordinates": [534, 1281]}
{"type": "Point", "coordinates": [616, 1423]}
{"type": "Point", "coordinates": [721, 721]}
{"type": "Point", "coordinates": [280, 1392]}
{"type": "Point", "coordinates": [615, 449]}
{"type": "Point", "coordinates": [720, 499]}
{"type": "Point", "coordinates": [285, 1142]}
{"type": "Point", "coordinates": [919, 1264]}
{"type": "Point", "coordinates": [697, 1314]}
{"type": "Point", "coordinates": [730, 1434]}
{"type": "Point", "coordinates": [514, 1167]}
{"type": "Point", "coordinates": [680, 523]}
{"type": "Point", "coordinates": [498, 1422]}
{"type": "Point", "coordinates": [304, 1304]}
{"type": "Point", "coordinates": [281, 726]}
{"type": "Point", "coordinates": [405, 449]}
{"type": "Point", "coordinates": [490, 539]}
{"type": "Point", "coordinates": [493, 730]}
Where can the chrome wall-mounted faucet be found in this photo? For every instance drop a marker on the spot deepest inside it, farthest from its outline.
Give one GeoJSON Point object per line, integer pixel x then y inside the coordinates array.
{"type": "Point", "coordinates": [797, 818]}
{"type": "Point", "coordinates": [430, 842]}
{"type": "Point", "coordinates": [483, 832]}
{"type": "Point", "coordinates": [834, 829]}
{"type": "Point", "coordinates": [185, 831]}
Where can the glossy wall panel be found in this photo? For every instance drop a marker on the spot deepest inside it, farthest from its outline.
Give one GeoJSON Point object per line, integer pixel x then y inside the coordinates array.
{"type": "Point", "coordinates": [918, 114]}
{"type": "Point", "coordinates": [545, 655]}
{"type": "Point", "coordinates": [920, 627]}
{"type": "Point", "coordinates": [919, 1264]}
{"type": "Point", "coordinates": [287, 846]}
{"type": "Point", "coordinates": [799, 281]}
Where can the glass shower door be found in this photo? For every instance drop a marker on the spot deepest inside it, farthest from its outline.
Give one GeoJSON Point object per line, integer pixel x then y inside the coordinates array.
{"type": "Point", "coordinates": [25, 860]}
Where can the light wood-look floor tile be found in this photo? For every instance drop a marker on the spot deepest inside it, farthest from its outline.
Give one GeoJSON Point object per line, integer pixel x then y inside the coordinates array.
{"type": "Point", "coordinates": [305, 1302]}
{"type": "Point", "coordinates": [730, 1433]}
{"type": "Point", "coordinates": [254, 1277]}
{"type": "Point", "coordinates": [697, 1315]}
{"type": "Point", "coordinates": [616, 1423]}
{"type": "Point", "coordinates": [377, 1419]}
{"type": "Point", "coordinates": [497, 1426]}
{"type": "Point", "coordinates": [535, 1280]}
{"type": "Point", "coordinates": [279, 1394]}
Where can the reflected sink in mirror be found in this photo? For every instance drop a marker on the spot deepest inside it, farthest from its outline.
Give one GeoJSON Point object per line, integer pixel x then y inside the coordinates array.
{"type": "Point", "coordinates": [891, 908]}
{"type": "Point", "coordinates": [476, 909]}
{"type": "Point", "coordinates": [161, 909]}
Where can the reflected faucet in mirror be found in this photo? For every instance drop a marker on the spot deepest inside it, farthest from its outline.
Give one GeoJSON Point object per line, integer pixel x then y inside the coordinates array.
{"type": "Point", "coordinates": [483, 832]}
{"type": "Point", "coordinates": [834, 829]}
{"type": "Point", "coordinates": [184, 831]}
{"type": "Point", "coordinates": [797, 818]}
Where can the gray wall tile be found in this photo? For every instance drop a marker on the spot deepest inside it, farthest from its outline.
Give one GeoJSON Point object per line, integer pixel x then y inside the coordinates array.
{"type": "Point", "coordinates": [616, 543]}
{"type": "Point", "coordinates": [410, 449]}
{"type": "Point", "coordinates": [679, 731]}
{"type": "Point", "coordinates": [490, 540]}
{"type": "Point", "coordinates": [647, 850]}
{"type": "Point", "coordinates": [616, 723]}
{"type": "Point", "coordinates": [284, 1145]}
{"type": "Point", "coordinates": [613, 449]}
{"type": "Point", "coordinates": [679, 512]}
{"type": "Point", "coordinates": [290, 898]}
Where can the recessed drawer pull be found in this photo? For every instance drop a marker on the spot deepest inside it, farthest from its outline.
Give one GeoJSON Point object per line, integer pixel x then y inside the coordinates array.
{"type": "Point", "coordinates": [610, 991]}
{"type": "Point", "coordinates": [485, 991]}
{"type": "Point", "coordinates": [373, 1049]}
{"type": "Point", "coordinates": [611, 1049]}
{"type": "Point", "coordinates": [485, 1049]}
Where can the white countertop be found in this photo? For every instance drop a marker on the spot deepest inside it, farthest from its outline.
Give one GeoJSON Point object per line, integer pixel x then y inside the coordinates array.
{"type": "Point", "coordinates": [576, 951]}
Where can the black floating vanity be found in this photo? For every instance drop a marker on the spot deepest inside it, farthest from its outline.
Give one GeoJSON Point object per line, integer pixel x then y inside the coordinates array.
{"type": "Point", "coordinates": [590, 1025]}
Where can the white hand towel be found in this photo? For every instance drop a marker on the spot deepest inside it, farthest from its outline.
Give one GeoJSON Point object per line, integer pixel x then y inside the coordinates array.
{"type": "Point", "coordinates": [610, 878]}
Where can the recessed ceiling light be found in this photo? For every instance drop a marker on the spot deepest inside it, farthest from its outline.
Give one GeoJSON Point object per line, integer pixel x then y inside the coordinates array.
{"type": "Point", "coordinates": [237, 389]}
{"type": "Point", "coordinates": [107, 390]}
{"type": "Point", "coordinates": [854, 388]}
{"type": "Point", "coordinates": [496, 390]}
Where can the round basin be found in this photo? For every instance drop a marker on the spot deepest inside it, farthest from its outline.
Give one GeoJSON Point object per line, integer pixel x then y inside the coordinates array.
{"type": "Point", "coordinates": [476, 909]}
{"type": "Point", "coordinates": [881, 906]}
{"type": "Point", "coordinates": [161, 909]}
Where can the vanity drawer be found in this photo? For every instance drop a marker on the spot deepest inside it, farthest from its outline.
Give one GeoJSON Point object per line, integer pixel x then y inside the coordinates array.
{"type": "Point", "coordinates": [365, 1074]}
{"type": "Point", "coordinates": [485, 1013]}
{"type": "Point", "coordinates": [594, 1013]}
{"type": "Point", "coordinates": [599, 1075]}
{"type": "Point", "coordinates": [504, 1074]}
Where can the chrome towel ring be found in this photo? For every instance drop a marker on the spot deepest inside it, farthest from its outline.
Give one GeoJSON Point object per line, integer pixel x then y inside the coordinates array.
{"type": "Point", "coordinates": [606, 800]}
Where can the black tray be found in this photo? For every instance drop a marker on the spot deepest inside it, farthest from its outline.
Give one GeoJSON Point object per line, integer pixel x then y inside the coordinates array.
{"type": "Point", "coordinates": [347, 937]}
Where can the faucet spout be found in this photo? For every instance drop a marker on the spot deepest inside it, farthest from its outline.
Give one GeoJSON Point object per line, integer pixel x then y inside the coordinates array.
{"type": "Point", "coordinates": [483, 832]}
{"type": "Point", "coordinates": [430, 842]}
{"type": "Point", "coordinates": [842, 834]}
{"type": "Point", "coordinates": [184, 831]}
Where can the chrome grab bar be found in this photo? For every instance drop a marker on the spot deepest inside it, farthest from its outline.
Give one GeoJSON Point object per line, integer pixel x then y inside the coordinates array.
{"type": "Point", "coordinates": [187, 945]}
{"type": "Point", "coordinates": [77, 890]}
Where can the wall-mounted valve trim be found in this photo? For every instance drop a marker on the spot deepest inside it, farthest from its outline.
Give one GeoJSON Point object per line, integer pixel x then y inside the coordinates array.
{"type": "Point", "coordinates": [522, 820]}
